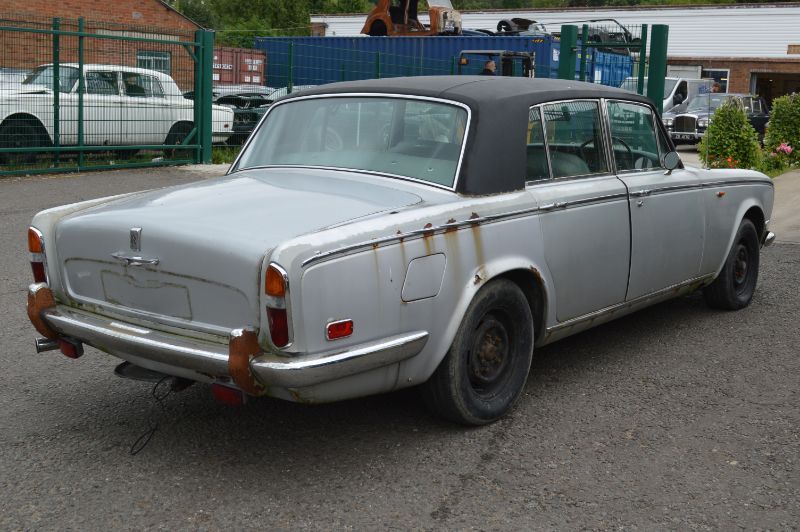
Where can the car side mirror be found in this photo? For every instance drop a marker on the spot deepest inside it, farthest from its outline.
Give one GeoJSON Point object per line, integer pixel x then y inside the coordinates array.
{"type": "Point", "coordinates": [671, 161]}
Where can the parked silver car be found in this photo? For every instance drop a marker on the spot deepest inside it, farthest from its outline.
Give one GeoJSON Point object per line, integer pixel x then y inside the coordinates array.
{"type": "Point", "coordinates": [376, 235]}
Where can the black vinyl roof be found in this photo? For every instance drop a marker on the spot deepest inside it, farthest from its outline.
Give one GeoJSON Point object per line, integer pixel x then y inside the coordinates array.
{"type": "Point", "coordinates": [495, 157]}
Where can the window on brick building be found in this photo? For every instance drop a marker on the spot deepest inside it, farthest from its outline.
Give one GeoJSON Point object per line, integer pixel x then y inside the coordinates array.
{"type": "Point", "coordinates": [154, 60]}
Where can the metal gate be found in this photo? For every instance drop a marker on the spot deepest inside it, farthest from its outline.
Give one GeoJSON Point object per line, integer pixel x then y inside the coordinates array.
{"type": "Point", "coordinates": [78, 94]}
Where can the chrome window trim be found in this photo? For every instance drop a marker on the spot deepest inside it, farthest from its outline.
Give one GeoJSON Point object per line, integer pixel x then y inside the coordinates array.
{"type": "Point", "coordinates": [604, 131]}
{"type": "Point", "coordinates": [235, 166]}
{"type": "Point", "coordinates": [660, 128]}
{"type": "Point", "coordinates": [538, 107]}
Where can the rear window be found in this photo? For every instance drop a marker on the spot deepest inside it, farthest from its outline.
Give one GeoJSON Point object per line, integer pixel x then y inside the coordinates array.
{"type": "Point", "coordinates": [414, 138]}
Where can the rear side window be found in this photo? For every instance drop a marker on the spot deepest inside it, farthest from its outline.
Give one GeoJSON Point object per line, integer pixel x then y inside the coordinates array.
{"type": "Point", "coordinates": [537, 166]}
{"type": "Point", "coordinates": [633, 136]}
{"type": "Point", "coordinates": [575, 139]}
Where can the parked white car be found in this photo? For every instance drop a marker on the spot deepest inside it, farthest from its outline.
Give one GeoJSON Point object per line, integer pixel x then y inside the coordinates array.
{"type": "Point", "coordinates": [121, 106]}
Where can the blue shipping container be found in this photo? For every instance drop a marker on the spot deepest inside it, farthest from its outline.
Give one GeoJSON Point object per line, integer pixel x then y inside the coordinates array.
{"type": "Point", "coordinates": [318, 60]}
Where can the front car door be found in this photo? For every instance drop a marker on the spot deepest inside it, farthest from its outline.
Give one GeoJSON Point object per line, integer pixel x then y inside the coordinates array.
{"type": "Point", "coordinates": [585, 226]}
{"type": "Point", "coordinates": [666, 209]}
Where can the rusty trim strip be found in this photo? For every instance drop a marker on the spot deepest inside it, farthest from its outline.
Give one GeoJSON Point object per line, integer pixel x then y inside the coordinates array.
{"type": "Point", "coordinates": [641, 299]}
{"type": "Point", "coordinates": [242, 348]}
{"type": "Point", "coordinates": [40, 298]}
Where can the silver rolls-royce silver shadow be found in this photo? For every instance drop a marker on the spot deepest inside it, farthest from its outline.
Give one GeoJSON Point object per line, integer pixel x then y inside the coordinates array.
{"type": "Point", "coordinates": [377, 235]}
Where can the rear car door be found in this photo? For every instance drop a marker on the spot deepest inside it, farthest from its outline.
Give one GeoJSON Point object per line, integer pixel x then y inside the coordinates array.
{"type": "Point", "coordinates": [584, 218]}
{"type": "Point", "coordinates": [149, 115]}
{"type": "Point", "coordinates": [666, 209]}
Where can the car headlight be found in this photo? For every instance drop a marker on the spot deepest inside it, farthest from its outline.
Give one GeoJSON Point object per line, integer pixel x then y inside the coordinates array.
{"type": "Point", "coordinates": [703, 122]}
{"type": "Point", "coordinates": [668, 122]}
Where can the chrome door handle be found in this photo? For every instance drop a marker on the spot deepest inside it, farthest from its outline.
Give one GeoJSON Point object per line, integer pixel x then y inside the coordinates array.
{"type": "Point", "coordinates": [640, 193]}
{"type": "Point", "coordinates": [553, 206]}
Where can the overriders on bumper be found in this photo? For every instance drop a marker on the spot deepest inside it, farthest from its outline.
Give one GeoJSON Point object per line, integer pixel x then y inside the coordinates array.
{"type": "Point", "coordinates": [165, 351]}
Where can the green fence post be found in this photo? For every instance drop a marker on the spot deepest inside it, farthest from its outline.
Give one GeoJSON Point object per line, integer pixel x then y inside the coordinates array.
{"type": "Point", "coordinates": [81, 90]}
{"type": "Point", "coordinates": [56, 87]}
{"type": "Point", "coordinates": [567, 52]}
{"type": "Point", "coordinates": [584, 49]}
{"type": "Point", "coordinates": [290, 66]}
{"type": "Point", "coordinates": [658, 65]}
{"type": "Point", "coordinates": [199, 97]}
{"type": "Point", "coordinates": [207, 124]}
{"type": "Point", "coordinates": [453, 65]}
{"type": "Point", "coordinates": [642, 61]}
{"type": "Point", "coordinates": [377, 65]}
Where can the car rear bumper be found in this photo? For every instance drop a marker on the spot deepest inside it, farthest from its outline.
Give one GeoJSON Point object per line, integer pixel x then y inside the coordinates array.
{"type": "Point", "coordinates": [209, 360]}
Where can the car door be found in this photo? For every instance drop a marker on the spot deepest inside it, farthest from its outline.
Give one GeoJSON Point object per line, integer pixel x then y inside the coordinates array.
{"type": "Point", "coordinates": [148, 113]}
{"type": "Point", "coordinates": [756, 114]}
{"type": "Point", "coordinates": [103, 122]}
{"type": "Point", "coordinates": [584, 207]}
{"type": "Point", "coordinates": [666, 209]}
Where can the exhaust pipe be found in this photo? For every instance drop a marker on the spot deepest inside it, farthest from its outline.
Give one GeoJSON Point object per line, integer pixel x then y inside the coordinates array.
{"type": "Point", "coordinates": [45, 344]}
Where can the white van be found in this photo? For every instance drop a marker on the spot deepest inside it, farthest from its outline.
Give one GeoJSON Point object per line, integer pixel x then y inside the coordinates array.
{"type": "Point", "coordinates": [677, 91]}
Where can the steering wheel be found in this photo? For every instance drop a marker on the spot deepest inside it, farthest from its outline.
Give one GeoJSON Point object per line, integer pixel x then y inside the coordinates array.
{"type": "Point", "coordinates": [627, 147]}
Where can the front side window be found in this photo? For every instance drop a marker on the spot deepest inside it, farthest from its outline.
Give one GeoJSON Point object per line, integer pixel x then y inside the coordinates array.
{"type": "Point", "coordinates": [633, 136]}
{"type": "Point", "coordinates": [575, 139]}
{"type": "Point", "coordinates": [419, 139]}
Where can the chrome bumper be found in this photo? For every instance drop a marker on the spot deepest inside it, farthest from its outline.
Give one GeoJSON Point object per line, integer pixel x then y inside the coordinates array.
{"type": "Point", "coordinates": [211, 359]}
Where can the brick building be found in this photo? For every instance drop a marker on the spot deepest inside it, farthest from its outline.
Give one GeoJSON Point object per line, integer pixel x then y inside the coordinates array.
{"type": "Point", "coordinates": [151, 19]}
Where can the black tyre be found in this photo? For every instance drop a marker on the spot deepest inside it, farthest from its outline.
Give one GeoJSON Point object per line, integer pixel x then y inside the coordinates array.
{"type": "Point", "coordinates": [21, 133]}
{"type": "Point", "coordinates": [177, 134]}
{"type": "Point", "coordinates": [485, 370]}
{"type": "Point", "coordinates": [734, 287]}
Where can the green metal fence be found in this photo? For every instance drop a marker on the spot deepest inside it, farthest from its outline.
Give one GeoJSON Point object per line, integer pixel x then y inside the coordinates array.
{"type": "Point", "coordinates": [620, 52]}
{"type": "Point", "coordinates": [78, 94]}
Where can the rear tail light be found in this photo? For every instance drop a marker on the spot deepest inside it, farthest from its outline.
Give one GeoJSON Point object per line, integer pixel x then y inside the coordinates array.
{"type": "Point", "coordinates": [276, 287]}
{"type": "Point", "coordinates": [36, 247]}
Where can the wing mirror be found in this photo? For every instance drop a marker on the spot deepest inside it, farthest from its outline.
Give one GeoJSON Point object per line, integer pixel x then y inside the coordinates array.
{"type": "Point", "coordinates": [671, 161]}
{"type": "Point", "coordinates": [678, 99]}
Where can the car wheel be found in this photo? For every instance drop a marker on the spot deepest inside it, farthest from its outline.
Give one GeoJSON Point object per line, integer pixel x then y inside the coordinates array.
{"type": "Point", "coordinates": [734, 287]}
{"type": "Point", "coordinates": [20, 133]}
{"type": "Point", "coordinates": [177, 134]}
{"type": "Point", "coordinates": [487, 365]}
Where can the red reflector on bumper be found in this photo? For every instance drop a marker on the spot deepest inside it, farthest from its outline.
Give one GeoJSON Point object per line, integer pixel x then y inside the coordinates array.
{"type": "Point", "coordinates": [70, 349]}
{"type": "Point", "coordinates": [227, 395]}
{"type": "Point", "coordinates": [339, 329]}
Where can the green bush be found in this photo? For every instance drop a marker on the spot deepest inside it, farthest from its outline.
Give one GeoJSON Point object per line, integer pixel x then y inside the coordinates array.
{"type": "Point", "coordinates": [784, 126]}
{"type": "Point", "coordinates": [730, 141]}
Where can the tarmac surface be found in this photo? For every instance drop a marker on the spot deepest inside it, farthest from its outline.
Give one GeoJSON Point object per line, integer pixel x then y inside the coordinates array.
{"type": "Point", "coordinates": [677, 417]}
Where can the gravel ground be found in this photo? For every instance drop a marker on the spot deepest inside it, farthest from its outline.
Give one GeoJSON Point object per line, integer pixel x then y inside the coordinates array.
{"type": "Point", "coordinates": [678, 417]}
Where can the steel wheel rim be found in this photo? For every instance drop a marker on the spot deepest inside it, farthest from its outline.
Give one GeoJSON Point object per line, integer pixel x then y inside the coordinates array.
{"type": "Point", "coordinates": [489, 359]}
{"type": "Point", "coordinates": [741, 266]}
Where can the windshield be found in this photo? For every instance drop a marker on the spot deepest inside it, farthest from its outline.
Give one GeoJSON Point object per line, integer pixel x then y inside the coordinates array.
{"type": "Point", "coordinates": [419, 139]}
{"type": "Point", "coordinates": [706, 102]}
{"type": "Point", "coordinates": [630, 84]}
{"type": "Point", "coordinates": [440, 3]}
{"type": "Point", "coordinates": [67, 76]}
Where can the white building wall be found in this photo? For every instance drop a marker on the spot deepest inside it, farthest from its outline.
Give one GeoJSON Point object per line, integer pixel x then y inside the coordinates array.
{"type": "Point", "coordinates": [709, 31]}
